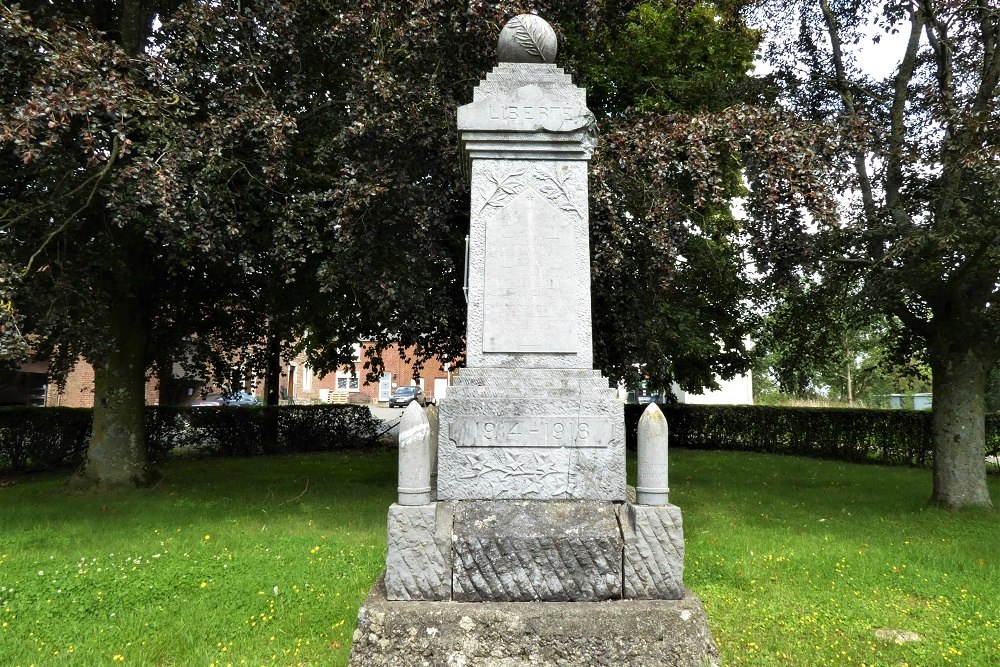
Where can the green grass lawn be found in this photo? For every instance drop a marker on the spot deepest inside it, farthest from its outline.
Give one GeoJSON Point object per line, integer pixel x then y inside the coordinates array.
{"type": "Point", "coordinates": [265, 562]}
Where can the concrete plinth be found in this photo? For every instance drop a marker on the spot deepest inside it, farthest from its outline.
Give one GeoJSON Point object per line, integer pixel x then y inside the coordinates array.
{"type": "Point", "coordinates": [637, 633]}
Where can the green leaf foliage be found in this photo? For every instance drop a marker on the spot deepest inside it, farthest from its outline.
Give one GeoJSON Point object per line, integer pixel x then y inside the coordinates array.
{"type": "Point", "coordinates": [270, 177]}
{"type": "Point", "coordinates": [914, 152]}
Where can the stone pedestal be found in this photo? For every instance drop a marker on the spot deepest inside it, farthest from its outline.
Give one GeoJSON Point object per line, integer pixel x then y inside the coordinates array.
{"type": "Point", "coordinates": [523, 551]}
{"type": "Point", "coordinates": [636, 633]}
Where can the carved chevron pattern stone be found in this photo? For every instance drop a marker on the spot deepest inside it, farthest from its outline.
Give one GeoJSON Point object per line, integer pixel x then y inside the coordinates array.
{"type": "Point", "coordinates": [653, 564]}
{"type": "Point", "coordinates": [526, 551]}
{"type": "Point", "coordinates": [418, 554]}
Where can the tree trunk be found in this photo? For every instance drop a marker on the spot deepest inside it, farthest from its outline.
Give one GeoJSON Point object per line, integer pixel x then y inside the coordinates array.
{"type": "Point", "coordinates": [850, 384]}
{"type": "Point", "coordinates": [272, 372]}
{"type": "Point", "coordinates": [116, 455]}
{"type": "Point", "coordinates": [136, 24]}
{"type": "Point", "coordinates": [959, 381]}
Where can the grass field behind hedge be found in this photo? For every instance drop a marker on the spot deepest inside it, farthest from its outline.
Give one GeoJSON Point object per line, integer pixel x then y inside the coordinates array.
{"type": "Point", "coordinates": [265, 561]}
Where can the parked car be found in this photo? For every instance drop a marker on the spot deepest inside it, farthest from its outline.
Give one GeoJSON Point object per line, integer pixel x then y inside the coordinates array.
{"type": "Point", "coordinates": [403, 396]}
{"type": "Point", "coordinates": [232, 399]}
{"type": "Point", "coordinates": [239, 399]}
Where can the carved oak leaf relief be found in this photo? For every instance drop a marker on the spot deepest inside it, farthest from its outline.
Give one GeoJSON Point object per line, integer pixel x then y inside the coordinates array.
{"type": "Point", "coordinates": [560, 189]}
{"type": "Point", "coordinates": [504, 187]}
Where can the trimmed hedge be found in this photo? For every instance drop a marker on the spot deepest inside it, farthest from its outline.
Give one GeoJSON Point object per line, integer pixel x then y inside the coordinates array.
{"type": "Point", "coordinates": [56, 438]}
{"type": "Point", "coordinates": [34, 439]}
{"type": "Point", "coordinates": [42, 438]}
{"type": "Point", "coordinates": [891, 437]}
{"type": "Point", "coordinates": [260, 431]}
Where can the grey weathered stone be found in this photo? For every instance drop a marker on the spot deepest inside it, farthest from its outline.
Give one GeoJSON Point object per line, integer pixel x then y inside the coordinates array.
{"type": "Point", "coordinates": [896, 636]}
{"type": "Point", "coordinates": [529, 418]}
{"type": "Point", "coordinates": [528, 133]}
{"type": "Point", "coordinates": [653, 562]}
{"type": "Point", "coordinates": [505, 436]}
{"type": "Point", "coordinates": [414, 473]}
{"type": "Point", "coordinates": [531, 440]}
{"type": "Point", "coordinates": [632, 633]}
{"type": "Point", "coordinates": [652, 480]}
{"type": "Point", "coordinates": [527, 112]}
{"type": "Point", "coordinates": [433, 423]}
{"type": "Point", "coordinates": [527, 39]}
{"type": "Point", "coordinates": [524, 551]}
{"type": "Point", "coordinates": [418, 552]}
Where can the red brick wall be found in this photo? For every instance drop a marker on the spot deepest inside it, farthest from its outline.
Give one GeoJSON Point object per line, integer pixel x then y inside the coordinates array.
{"type": "Point", "coordinates": [79, 389]}
{"type": "Point", "coordinates": [403, 375]}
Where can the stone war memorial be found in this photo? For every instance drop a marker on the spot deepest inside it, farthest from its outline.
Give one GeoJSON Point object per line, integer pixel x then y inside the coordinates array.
{"type": "Point", "coordinates": [514, 540]}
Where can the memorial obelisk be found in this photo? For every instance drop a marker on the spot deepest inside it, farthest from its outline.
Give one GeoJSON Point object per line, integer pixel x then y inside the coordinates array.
{"type": "Point", "coordinates": [529, 418]}
{"type": "Point", "coordinates": [531, 546]}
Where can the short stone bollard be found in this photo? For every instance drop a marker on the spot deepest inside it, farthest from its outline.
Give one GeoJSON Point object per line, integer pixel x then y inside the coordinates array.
{"type": "Point", "coordinates": [414, 485]}
{"type": "Point", "coordinates": [651, 483]}
{"type": "Point", "coordinates": [433, 420]}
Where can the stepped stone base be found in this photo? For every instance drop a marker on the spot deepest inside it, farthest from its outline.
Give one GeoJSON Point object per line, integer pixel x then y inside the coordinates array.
{"type": "Point", "coordinates": [637, 633]}
{"type": "Point", "coordinates": [522, 551]}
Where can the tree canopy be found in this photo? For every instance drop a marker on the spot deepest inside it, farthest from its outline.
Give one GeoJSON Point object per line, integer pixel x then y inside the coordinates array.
{"type": "Point", "coordinates": [127, 186]}
{"type": "Point", "coordinates": [915, 155]}
{"type": "Point", "coordinates": [258, 176]}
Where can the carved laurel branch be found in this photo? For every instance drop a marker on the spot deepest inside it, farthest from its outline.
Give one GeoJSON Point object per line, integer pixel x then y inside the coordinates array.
{"type": "Point", "coordinates": [504, 187]}
{"type": "Point", "coordinates": [510, 465]}
{"type": "Point", "coordinates": [529, 37]}
{"type": "Point", "coordinates": [559, 190]}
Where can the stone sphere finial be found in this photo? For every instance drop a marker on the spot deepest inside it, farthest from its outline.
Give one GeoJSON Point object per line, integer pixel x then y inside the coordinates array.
{"type": "Point", "coordinates": [527, 39]}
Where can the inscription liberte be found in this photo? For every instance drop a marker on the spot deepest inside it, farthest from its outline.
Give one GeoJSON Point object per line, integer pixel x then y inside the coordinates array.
{"type": "Point", "coordinates": [534, 112]}
{"type": "Point", "coordinates": [535, 431]}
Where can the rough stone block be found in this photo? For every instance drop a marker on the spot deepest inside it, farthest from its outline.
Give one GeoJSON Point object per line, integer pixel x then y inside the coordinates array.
{"type": "Point", "coordinates": [633, 633]}
{"type": "Point", "coordinates": [418, 554]}
{"type": "Point", "coordinates": [653, 563]}
{"type": "Point", "coordinates": [526, 551]}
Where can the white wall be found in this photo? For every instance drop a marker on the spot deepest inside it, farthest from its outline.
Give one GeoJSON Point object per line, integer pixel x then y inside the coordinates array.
{"type": "Point", "coordinates": [738, 391]}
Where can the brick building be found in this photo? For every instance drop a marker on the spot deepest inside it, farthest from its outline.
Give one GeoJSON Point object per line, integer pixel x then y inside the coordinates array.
{"type": "Point", "coordinates": [302, 385]}
{"type": "Point", "coordinates": [29, 385]}
{"type": "Point", "coordinates": [299, 384]}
